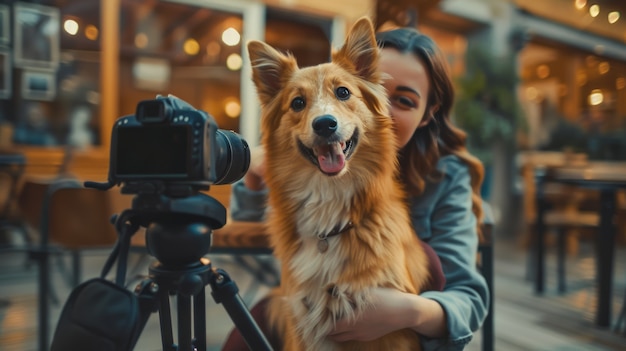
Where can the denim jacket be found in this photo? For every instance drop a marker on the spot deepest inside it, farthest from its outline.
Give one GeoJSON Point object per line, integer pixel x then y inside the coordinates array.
{"type": "Point", "coordinates": [442, 217]}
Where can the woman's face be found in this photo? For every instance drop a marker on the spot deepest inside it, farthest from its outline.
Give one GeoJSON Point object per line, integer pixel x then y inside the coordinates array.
{"type": "Point", "coordinates": [408, 86]}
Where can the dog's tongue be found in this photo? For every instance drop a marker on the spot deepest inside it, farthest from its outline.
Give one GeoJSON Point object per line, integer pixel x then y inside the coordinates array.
{"type": "Point", "coordinates": [331, 158]}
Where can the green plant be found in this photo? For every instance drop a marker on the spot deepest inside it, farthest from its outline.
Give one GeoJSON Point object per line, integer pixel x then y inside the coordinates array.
{"type": "Point", "coordinates": [486, 106]}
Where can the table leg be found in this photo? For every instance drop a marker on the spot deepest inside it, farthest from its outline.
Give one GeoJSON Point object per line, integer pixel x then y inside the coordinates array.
{"type": "Point", "coordinates": [539, 236]}
{"type": "Point", "coordinates": [605, 253]}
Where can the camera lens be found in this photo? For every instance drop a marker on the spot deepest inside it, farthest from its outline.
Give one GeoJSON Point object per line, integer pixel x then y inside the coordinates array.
{"type": "Point", "coordinates": [232, 157]}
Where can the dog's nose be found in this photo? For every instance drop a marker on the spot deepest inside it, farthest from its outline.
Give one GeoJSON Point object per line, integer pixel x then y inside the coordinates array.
{"type": "Point", "coordinates": [325, 125]}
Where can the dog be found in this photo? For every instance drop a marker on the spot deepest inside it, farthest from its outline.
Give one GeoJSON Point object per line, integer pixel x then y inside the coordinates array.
{"type": "Point", "coordinates": [338, 215]}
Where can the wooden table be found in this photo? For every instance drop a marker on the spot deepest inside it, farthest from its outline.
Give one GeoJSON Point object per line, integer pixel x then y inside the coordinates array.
{"type": "Point", "coordinates": [607, 178]}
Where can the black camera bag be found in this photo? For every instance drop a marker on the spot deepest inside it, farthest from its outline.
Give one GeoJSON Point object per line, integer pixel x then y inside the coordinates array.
{"type": "Point", "coordinates": [100, 315]}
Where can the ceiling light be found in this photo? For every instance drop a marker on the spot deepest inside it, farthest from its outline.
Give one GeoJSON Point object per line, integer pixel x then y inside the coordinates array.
{"type": "Point", "coordinates": [580, 4]}
{"type": "Point", "coordinates": [70, 26]}
{"type": "Point", "coordinates": [191, 47]}
{"type": "Point", "coordinates": [232, 107]}
{"type": "Point", "coordinates": [604, 67]}
{"type": "Point", "coordinates": [596, 97]}
{"type": "Point", "coordinates": [91, 32]}
{"type": "Point", "coordinates": [231, 36]}
{"type": "Point", "coordinates": [234, 62]}
{"type": "Point", "coordinates": [613, 17]}
{"type": "Point", "coordinates": [594, 10]}
{"type": "Point", "coordinates": [543, 71]}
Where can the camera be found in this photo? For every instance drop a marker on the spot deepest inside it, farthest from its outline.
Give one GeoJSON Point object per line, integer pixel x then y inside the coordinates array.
{"type": "Point", "coordinates": [167, 141]}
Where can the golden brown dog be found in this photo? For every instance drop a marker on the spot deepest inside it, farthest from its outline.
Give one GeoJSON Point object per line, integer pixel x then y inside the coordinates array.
{"type": "Point", "coordinates": [339, 221]}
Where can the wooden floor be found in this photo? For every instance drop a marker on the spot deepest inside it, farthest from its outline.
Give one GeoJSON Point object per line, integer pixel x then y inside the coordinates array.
{"type": "Point", "coordinates": [523, 321]}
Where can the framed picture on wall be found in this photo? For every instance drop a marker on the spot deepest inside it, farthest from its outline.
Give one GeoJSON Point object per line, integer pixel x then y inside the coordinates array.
{"type": "Point", "coordinates": [5, 73]}
{"type": "Point", "coordinates": [5, 27]}
{"type": "Point", "coordinates": [37, 35]}
{"type": "Point", "coordinates": [38, 85]}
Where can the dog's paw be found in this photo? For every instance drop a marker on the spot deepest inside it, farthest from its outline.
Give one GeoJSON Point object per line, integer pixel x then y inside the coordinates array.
{"type": "Point", "coordinates": [345, 303]}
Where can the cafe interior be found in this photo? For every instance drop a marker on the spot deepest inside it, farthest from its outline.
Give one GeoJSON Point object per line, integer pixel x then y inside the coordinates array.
{"type": "Point", "coordinates": [554, 151]}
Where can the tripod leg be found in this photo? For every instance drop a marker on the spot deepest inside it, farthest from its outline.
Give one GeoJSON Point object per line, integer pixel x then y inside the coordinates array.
{"type": "Point", "coordinates": [199, 321]}
{"type": "Point", "coordinates": [184, 322]}
{"type": "Point", "coordinates": [165, 318]}
{"type": "Point", "coordinates": [225, 291]}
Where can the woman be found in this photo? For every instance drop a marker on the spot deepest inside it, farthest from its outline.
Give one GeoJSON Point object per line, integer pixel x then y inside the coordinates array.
{"type": "Point", "coordinates": [443, 181]}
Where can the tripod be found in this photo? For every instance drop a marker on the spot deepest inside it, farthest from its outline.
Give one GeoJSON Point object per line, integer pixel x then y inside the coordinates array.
{"type": "Point", "coordinates": [178, 235]}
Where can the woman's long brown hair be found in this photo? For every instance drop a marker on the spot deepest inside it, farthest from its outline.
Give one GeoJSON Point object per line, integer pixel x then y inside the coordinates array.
{"type": "Point", "coordinates": [418, 159]}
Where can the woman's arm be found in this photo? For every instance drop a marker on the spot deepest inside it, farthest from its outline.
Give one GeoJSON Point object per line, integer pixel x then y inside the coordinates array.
{"type": "Point", "coordinates": [445, 318]}
{"type": "Point", "coordinates": [248, 198]}
{"type": "Point", "coordinates": [453, 235]}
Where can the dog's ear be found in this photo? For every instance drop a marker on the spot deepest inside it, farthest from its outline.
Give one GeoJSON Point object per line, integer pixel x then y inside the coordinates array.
{"type": "Point", "coordinates": [360, 52]}
{"type": "Point", "coordinates": [270, 69]}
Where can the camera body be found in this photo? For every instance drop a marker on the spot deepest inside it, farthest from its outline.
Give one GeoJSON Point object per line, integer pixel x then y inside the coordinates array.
{"type": "Point", "coordinates": [168, 141]}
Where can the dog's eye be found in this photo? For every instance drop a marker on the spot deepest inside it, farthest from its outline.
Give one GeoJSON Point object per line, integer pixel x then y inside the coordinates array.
{"type": "Point", "coordinates": [342, 93]}
{"type": "Point", "coordinates": [298, 104]}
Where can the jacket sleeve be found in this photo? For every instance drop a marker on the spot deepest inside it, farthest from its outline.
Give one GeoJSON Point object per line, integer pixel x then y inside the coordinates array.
{"type": "Point", "coordinates": [247, 205]}
{"type": "Point", "coordinates": [454, 238]}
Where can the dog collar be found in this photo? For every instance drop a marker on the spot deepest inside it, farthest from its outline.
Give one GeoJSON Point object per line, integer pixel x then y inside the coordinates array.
{"type": "Point", "coordinates": [322, 244]}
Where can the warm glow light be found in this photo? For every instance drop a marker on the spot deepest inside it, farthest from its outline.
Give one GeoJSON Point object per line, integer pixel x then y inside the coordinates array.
{"type": "Point", "coordinates": [213, 49]}
{"type": "Point", "coordinates": [620, 83]}
{"type": "Point", "coordinates": [580, 4]}
{"type": "Point", "coordinates": [91, 32]}
{"type": "Point", "coordinates": [532, 93]}
{"type": "Point", "coordinates": [543, 71]}
{"type": "Point", "coordinates": [231, 36]}
{"type": "Point", "coordinates": [604, 67]}
{"type": "Point", "coordinates": [70, 26]}
{"type": "Point", "coordinates": [234, 62]}
{"type": "Point", "coordinates": [232, 107]}
{"type": "Point", "coordinates": [596, 97]}
{"type": "Point", "coordinates": [191, 47]}
{"type": "Point", "coordinates": [594, 10]}
{"type": "Point", "coordinates": [581, 78]}
{"type": "Point", "coordinates": [141, 40]}
{"type": "Point", "coordinates": [613, 17]}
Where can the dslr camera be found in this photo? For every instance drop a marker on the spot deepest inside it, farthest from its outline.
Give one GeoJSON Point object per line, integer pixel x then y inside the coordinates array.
{"type": "Point", "coordinates": [167, 144]}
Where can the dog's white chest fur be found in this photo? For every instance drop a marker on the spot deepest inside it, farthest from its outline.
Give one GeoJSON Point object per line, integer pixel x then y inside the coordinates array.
{"type": "Point", "coordinates": [317, 271]}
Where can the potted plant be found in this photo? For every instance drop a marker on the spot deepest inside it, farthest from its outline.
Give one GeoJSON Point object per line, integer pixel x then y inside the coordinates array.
{"type": "Point", "coordinates": [487, 107]}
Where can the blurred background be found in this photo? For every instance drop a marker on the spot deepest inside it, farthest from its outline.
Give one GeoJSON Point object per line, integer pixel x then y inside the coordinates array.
{"type": "Point", "coordinates": [539, 83]}
{"type": "Point", "coordinates": [530, 75]}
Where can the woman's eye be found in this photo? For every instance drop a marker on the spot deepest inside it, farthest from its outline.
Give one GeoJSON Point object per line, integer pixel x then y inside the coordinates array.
{"type": "Point", "coordinates": [298, 104]}
{"type": "Point", "coordinates": [403, 101]}
{"type": "Point", "coordinates": [342, 93]}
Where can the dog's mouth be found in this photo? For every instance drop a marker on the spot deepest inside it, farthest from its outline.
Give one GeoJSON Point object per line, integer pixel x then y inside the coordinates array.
{"type": "Point", "coordinates": [330, 157]}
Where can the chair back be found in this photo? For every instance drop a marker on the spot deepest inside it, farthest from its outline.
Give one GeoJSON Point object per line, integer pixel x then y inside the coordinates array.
{"type": "Point", "coordinates": [79, 218]}
{"type": "Point", "coordinates": [66, 214]}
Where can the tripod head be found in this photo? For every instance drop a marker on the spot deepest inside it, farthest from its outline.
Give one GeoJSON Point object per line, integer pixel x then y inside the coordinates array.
{"type": "Point", "coordinates": [179, 229]}
{"type": "Point", "coordinates": [179, 220]}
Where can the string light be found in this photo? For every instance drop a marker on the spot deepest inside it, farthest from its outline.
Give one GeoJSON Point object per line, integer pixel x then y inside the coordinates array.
{"type": "Point", "coordinates": [70, 26]}
{"type": "Point", "coordinates": [234, 62]}
{"type": "Point", "coordinates": [231, 36]}
{"type": "Point", "coordinates": [594, 10]}
{"type": "Point", "coordinates": [613, 16]}
{"type": "Point", "coordinates": [596, 97]}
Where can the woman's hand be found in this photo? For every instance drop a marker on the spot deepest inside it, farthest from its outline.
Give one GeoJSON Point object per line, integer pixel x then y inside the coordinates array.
{"type": "Point", "coordinates": [393, 310]}
{"type": "Point", "coordinates": [255, 177]}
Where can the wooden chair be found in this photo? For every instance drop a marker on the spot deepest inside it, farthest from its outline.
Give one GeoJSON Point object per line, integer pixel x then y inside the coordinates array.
{"type": "Point", "coordinates": [563, 216]}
